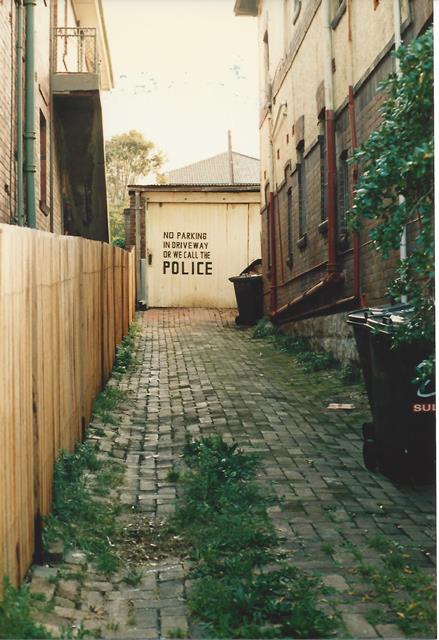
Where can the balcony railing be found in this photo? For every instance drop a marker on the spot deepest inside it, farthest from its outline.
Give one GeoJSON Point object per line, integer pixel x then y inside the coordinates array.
{"type": "Point", "coordinates": [75, 50]}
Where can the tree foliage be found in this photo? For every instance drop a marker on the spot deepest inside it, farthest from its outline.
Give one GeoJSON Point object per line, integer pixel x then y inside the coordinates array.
{"type": "Point", "coordinates": [128, 157]}
{"type": "Point", "coordinates": [398, 159]}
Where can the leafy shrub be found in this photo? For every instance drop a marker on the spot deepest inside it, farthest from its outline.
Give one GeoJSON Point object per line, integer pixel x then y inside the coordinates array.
{"type": "Point", "coordinates": [396, 159]}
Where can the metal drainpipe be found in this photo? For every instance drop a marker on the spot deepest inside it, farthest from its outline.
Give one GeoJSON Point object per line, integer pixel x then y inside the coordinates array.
{"type": "Point", "coordinates": [51, 117]}
{"type": "Point", "coordinates": [330, 135]}
{"type": "Point", "coordinates": [19, 89]}
{"type": "Point", "coordinates": [30, 134]}
{"type": "Point", "coordinates": [401, 199]}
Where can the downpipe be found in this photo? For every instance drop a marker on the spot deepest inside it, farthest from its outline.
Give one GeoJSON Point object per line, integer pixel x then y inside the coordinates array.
{"type": "Point", "coordinates": [330, 136]}
{"type": "Point", "coordinates": [30, 167]}
{"type": "Point", "coordinates": [19, 109]}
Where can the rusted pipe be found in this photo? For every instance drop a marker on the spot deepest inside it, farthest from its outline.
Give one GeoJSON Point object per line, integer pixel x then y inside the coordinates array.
{"type": "Point", "coordinates": [330, 134]}
{"type": "Point", "coordinates": [272, 226]}
{"type": "Point", "coordinates": [355, 235]}
{"type": "Point", "coordinates": [323, 309]}
{"type": "Point", "coordinates": [303, 273]}
{"type": "Point", "coordinates": [328, 280]}
{"type": "Point", "coordinates": [331, 169]}
{"type": "Point", "coordinates": [281, 253]}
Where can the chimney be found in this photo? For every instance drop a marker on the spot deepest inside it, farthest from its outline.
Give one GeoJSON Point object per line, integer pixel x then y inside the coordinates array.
{"type": "Point", "coordinates": [231, 174]}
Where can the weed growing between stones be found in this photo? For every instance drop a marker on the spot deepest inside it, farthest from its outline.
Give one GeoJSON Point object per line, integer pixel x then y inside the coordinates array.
{"type": "Point", "coordinates": [83, 515]}
{"type": "Point", "coordinates": [16, 614]}
{"type": "Point", "coordinates": [408, 594]}
{"type": "Point", "coordinates": [110, 398]}
{"type": "Point", "coordinates": [125, 352]}
{"type": "Point", "coordinates": [223, 514]}
{"type": "Point", "coordinates": [106, 403]}
{"type": "Point", "coordinates": [300, 348]}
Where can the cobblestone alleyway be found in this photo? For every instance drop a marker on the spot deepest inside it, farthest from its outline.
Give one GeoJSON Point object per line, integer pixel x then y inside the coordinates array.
{"type": "Point", "coordinates": [199, 374]}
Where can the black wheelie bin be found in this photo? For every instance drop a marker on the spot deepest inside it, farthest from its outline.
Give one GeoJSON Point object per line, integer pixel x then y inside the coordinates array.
{"type": "Point", "coordinates": [401, 440]}
{"type": "Point", "coordinates": [248, 292]}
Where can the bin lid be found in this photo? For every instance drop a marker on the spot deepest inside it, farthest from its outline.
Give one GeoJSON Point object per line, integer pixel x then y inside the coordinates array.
{"type": "Point", "coordinates": [388, 319]}
{"type": "Point", "coordinates": [358, 317]}
{"type": "Point", "coordinates": [385, 319]}
{"type": "Point", "coordinates": [245, 277]}
{"type": "Point", "coordinates": [361, 316]}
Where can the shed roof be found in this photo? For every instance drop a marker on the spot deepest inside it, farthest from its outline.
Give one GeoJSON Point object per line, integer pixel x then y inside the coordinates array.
{"type": "Point", "coordinates": [216, 171]}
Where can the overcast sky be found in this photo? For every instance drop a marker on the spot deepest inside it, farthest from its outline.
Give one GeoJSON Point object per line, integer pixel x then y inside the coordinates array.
{"type": "Point", "coordinates": [185, 71]}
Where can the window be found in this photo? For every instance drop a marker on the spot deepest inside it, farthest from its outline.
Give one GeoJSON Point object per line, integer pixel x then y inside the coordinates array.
{"type": "Point", "coordinates": [290, 226]}
{"type": "Point", "coordinates": [323, 173]}
{"type": "Point", "coordinates": [301, 186]}
{"type": "Point", "coordinates": [342, 191]}
{"type": "Point", "coordinates": [43, 162]}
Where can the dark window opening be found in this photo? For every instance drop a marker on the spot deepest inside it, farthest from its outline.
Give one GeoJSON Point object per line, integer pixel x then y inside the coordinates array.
{"type": "Point", "coordinates": [323, 178]}
{"type": "Point", "coordinates": [342, 191]}
{"type": "Point", "coordinates": [290, 226]}
{"type": "Point", "coordinates": [301, 186]}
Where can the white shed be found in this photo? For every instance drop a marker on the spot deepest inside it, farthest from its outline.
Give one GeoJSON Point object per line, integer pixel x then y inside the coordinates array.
{"type": "Point", "coordinates": [196, 231]}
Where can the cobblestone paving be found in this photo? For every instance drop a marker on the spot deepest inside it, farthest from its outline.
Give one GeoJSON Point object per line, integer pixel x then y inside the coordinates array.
{"type": "Point", "coordinates": [201, 375]}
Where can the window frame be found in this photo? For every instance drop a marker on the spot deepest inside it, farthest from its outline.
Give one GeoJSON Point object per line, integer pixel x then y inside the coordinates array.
{"type": "Point", "coordinates": [343, 194]}
{"type": "Point", "coordinates": [301, 192]}
{"type": "Point", "coordinates": [290, 230]}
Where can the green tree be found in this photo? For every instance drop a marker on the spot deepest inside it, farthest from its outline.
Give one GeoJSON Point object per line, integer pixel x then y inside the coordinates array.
{"type": "Point", "coordinates": [398, 159]}
{"type": "Point", "coordinates": [128, 157]}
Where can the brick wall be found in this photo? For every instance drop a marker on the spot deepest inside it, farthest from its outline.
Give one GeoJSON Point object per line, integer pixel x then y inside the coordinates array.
{"type": "Point", "coordinates": [306, 265]}
{"type": "Point", "coordinates": [303, 271]}
{"type": "Point", "coordinates": [130, 240]}
{"type": "Point", "coordinates": [7, 109]}
{"type": "Point", "coordinates": [49, 218]}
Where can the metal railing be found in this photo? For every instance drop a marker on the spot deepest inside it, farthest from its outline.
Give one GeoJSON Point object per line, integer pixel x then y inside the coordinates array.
{"type": "Point", "coordinates": [75, 50]}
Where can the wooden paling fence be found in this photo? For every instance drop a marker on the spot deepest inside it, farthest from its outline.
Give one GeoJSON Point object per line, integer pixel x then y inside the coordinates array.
{"type": "Point", "coordinates": [65, 304]}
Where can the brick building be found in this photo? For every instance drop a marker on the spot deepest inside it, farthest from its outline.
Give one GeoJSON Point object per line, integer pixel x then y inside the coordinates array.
{"type": "Point", "coordinates": [55, 63]}
{"type": "Point", "coordinates": [320, 65]}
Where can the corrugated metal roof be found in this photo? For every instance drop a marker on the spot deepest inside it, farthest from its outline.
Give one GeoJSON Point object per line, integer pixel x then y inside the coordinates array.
{"type": "Point", "coordinates": [216, 171]}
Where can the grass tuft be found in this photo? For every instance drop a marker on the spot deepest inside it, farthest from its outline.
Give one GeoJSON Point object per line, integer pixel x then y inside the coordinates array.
{"type": "Point", "coordinates": [125, 352]}
{"type": "Point", "coordinates": [296, 346]}
{"type": "Point", "coordinates": [222, 514]}
{"type": "Point", "coordinates": [16, 614]}
{"type": "Point", "coordinates": [80, 516]}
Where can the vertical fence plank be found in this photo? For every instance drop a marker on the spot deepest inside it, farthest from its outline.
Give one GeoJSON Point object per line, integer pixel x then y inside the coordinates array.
{"type": "Point", "coordinates": [16, 424]}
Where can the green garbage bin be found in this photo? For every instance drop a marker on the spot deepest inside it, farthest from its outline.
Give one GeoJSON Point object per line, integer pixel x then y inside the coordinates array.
{"type": "Point", "coordinates": [401, 440]}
